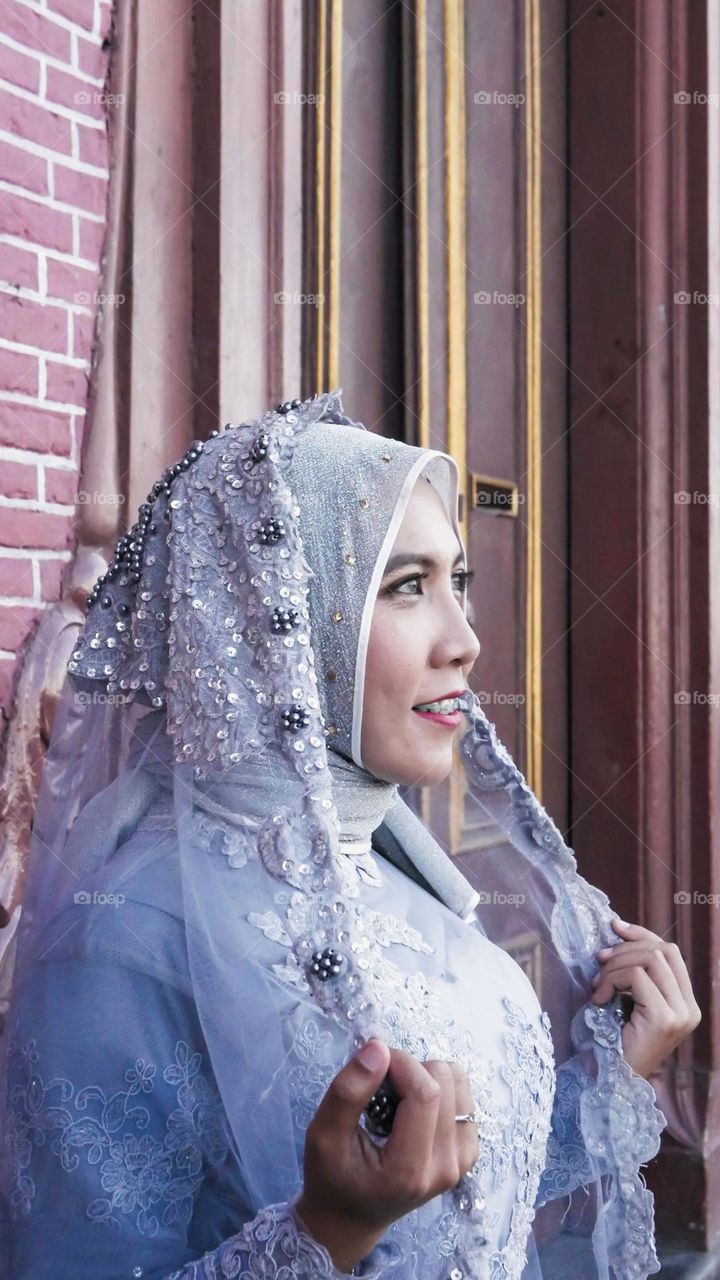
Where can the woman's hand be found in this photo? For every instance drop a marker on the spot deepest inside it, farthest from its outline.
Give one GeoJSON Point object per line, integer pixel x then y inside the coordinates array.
{"type": "Point", "coordinates": [654, 972]}
{"type": "Point", "coordinates": [354, 1189]}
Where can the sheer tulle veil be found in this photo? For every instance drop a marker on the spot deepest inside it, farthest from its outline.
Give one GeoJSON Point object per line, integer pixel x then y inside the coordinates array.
{"type": "Point", "coordinates": [219, 673]}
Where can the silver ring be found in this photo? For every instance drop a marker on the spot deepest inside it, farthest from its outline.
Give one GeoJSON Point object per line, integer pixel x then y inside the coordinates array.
{"type": "Point", "coordinates": [468, 1119]}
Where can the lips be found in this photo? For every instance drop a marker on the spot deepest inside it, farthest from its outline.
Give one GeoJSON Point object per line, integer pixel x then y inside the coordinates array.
{"type": "Point", "coordinates": [451, 719]}
{"type": "Point", "coordinates": [440, 697]}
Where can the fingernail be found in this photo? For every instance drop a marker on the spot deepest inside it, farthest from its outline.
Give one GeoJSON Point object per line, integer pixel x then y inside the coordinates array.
{"type": "Point", "coordinates": [371, 1055]}
{"type": "Point", "coordinates": [605, 951]}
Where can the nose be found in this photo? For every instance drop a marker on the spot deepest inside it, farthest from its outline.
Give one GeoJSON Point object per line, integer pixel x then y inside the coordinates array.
{"type": "Point", "coordinates": [456, 644]}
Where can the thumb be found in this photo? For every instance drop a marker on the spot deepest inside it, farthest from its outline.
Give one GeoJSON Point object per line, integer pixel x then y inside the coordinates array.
{"type": "Point", "coordinates": [353, 1087]}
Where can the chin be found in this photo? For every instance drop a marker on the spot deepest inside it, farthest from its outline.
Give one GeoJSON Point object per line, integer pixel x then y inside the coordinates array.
{"type": "Point", "coordinates": [427, 772]}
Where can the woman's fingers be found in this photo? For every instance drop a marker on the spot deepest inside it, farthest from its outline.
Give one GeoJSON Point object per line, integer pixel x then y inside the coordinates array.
{"type": "Point", "coordinates": [351, 1090]}
{"type": "Point", "coordinates": [617, 976]}
{"type": "Point", "coordinates": [409, 1149]}
{"type": "Point", "coordinates": [674, 957]}
{"type": "Point", "coordinates": [446, 1164]}
{"type": "Point", "coordinates": [467, 1135]}
{"type": "Point", "coordinates": [639, 952]}
{"type": "Point", "coordinates": [638, 940]}
{"type": "Point", "coordinates": [456, 1143]}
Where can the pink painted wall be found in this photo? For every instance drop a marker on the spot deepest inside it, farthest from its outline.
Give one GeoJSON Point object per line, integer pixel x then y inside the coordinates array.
{"type": "Point", "coordinates": [53, 186]}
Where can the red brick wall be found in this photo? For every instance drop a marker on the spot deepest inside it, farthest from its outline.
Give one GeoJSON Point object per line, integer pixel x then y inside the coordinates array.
{"type": "Point", "coordinates": [53, 180]}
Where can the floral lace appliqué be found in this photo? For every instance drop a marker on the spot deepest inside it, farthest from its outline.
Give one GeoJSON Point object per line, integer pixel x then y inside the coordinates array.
{"type": "Point", "coordinates": [271, 1247]}
{"type": "Point", "coordinates": [513, 1099]}
{"type": "Point", "coordinates": [142, 1175]}
{"type": "Point", "coordinates": [530, 1074]}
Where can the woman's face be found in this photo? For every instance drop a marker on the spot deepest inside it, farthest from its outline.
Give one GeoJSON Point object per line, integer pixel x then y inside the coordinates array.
{"type": "Point", "coordinates": [421, 647]}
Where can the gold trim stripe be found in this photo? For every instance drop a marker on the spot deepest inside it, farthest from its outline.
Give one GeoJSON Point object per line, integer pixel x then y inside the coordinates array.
{"type": "Point", "coordinates": [328, 191]}
{"type": "Point", "coordinates": [336, 45]}
{"type": "Point", "coordinates": [455, 198]}
{"type": "Point", "coordinates": [423, 267]}
{"type": "Point", "coordinates": [455, 205]}
{"type": "Point", "coordinates": [423, 270]}
{"type": "Point", "coordinates": [534, 401]}
{"type": "Point", "coordinates": [320, 189]}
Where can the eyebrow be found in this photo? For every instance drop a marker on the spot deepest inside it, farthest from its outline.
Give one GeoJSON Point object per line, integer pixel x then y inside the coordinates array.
{"type": "Point", "coordinates": [427, 562]}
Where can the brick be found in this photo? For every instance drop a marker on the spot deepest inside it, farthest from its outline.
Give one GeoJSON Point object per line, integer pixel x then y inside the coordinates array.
{"type": "Point", "coordinates": [106, 16]}
{"type": "Point", "coordinates": [68, 90]}
{"type": "Point", "coordinates": [22, 528]}
{"type": "Point", "coordinates": [18, 372]}
{"type": "Point", "coordinates": [92, 239]}
{"type": "Point", "coordinates": [8, 668]}
{"type": "Point", "coordinates": [81, 419]}
{"type": "Point", "coordinates": [86, 191]}
{"type": "Point", "coordinates": [19, 69]}
{"type": "Point", "coordinates": [28, 220]}
{"type": "Point", "coordinates": [18, 479]}
{"type": "Point", "coordinates": [16, 621]}
{"type": "Point", "coordinates": [35, 31]}
{"type": "Point", "coordinates": [35, 123]}
{"type": "Point", "coordinates": [92, 58]}
{"type": "Point", "coordinates": [60, 485]}
{"type": "Point", "coordinates": [18, 267]}
{"type": "Point", "coordinates": [92, 145]}
{"type": "Point", "coordinates": [79, 12]}
{"type": "Point", "coordinates": [37, 324]}
{"type": "Point", "coordinates": [69, 281]}
{"type": "Point", "coordinates": [66, 384]}
{"type": "Point", "coordinates": [83, 335]}
{"type": "Point", "coordinates": [51, 572]}
{"type": "Point", "coordinates": [16, 576]}
{"type": "Point", "coordinates": [23, 169]}
{"type": "Point", "coordinates": [22, 426]}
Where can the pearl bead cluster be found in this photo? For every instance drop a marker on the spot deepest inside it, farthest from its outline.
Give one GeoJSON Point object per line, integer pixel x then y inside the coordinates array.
{"type": "Point", "coordinates": [380, 1110]}
{"type": "Point", "coordinates": [271, 530]}
{"type": "Point", "coordinates": [260, 448]}
{"type": "Point", "coordinates": [295, 717]}
{"type": "Point", "coordinates": [327, 963]}
{"type": "Point", "coordinates": [284, 620]}
{"type": "Point", "coordinates": [130, 548]}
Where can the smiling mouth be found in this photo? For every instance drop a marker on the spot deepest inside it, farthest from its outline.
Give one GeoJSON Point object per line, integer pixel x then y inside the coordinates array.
{"type": "Point", "coordinates": [449, 718]}
{"type": "Point", "coordinates": [445, 711]}
{"type": "Point", "coordinates": [441, 706]}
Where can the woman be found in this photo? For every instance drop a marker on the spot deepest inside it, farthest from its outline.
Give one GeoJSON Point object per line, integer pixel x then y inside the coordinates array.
{"type": "Point", "coordinates": [243, 1042]}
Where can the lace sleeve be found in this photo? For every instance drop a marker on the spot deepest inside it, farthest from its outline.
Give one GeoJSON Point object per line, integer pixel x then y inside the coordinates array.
{"type": "Point", "coordinates": [122, 1164]}
{"type": "Point", "coordinates": [567, 1162]}
{"type": "Point", "coordinates": [273, 1244]}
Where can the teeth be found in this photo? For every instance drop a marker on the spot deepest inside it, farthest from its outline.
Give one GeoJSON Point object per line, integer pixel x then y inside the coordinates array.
{"type": "Point", "coordinates": [444, 708]}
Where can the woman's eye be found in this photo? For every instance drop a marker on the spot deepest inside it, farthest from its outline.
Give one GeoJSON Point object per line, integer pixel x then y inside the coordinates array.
{"type": "Point", "coordinates": [465, 577]}
{"type": "Point", "coordinates": [462, 578]}
{"type": "Point", "coordinates": [397, 589]}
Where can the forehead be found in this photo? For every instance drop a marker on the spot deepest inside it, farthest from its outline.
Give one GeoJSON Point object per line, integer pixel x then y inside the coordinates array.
{"type": "Point", "coordinates": [426, 524]}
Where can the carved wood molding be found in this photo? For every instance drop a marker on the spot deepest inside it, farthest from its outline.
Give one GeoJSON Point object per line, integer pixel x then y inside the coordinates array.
{"type": "Point", "coordinates": [644, 790]}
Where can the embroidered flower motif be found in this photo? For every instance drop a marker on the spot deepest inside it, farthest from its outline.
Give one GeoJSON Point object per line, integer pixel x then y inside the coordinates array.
{"type": "Point", "coordinates": [315, 1068]}
{"type": "Point", "coordinates": [138, 1172]}
{"type": "Point", "coordinates": [142, 1076]}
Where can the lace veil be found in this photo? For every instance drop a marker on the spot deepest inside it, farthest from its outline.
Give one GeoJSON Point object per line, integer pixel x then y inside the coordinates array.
{"type": "Point", "coordinates": [212, 707]}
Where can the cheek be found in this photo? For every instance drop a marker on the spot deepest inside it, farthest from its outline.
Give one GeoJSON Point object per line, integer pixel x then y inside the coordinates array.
{"type": "Point", "coordinates": [394, 663]}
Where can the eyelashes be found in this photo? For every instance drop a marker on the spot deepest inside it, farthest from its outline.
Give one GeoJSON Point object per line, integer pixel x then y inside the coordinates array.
{"type": "Point", "coordinates": [466, 576]}
{"type": "Point", "coordinates": [463, 576]}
